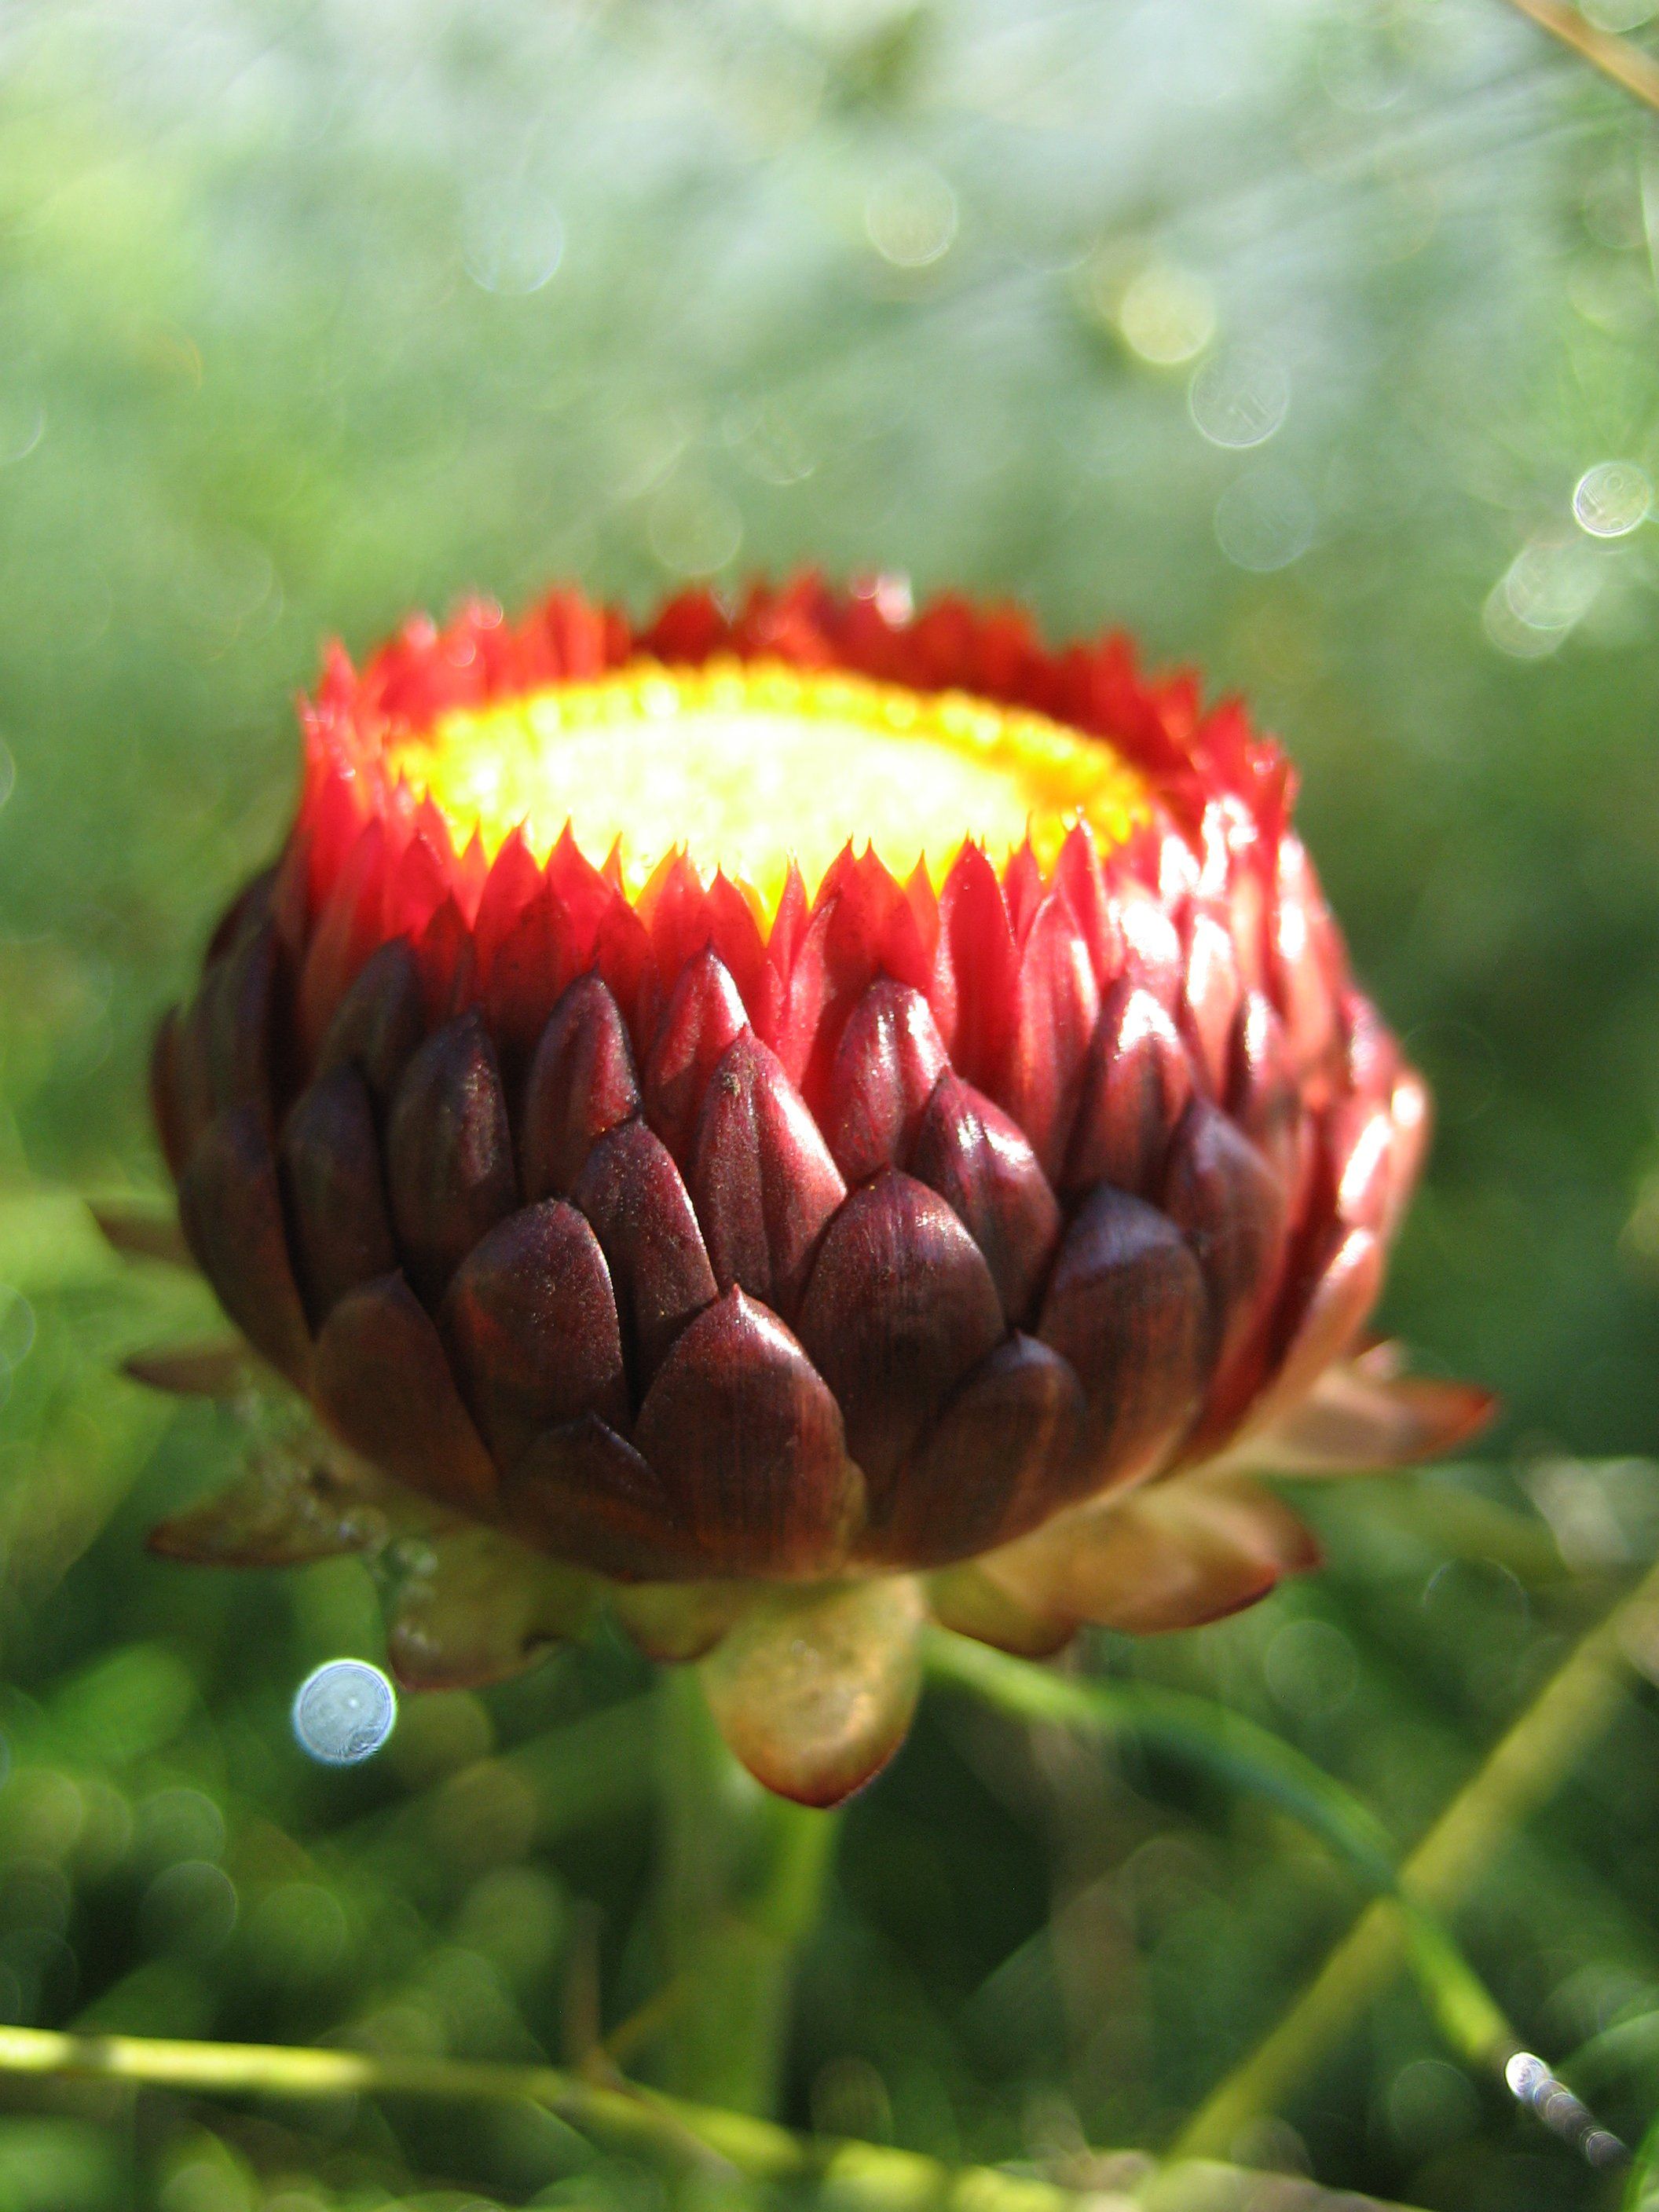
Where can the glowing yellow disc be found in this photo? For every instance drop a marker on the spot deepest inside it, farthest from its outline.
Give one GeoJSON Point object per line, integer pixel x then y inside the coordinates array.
{"type": "Point", "coordinates": [747, 764]}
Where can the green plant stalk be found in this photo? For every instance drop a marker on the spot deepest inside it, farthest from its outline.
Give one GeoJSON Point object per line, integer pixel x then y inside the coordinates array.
{"type": "Point", "coordinates": [740, 1886]}
{"type": "Point", "coordinates": [1226, 1744]}
{"type": "Point", "coordinates": [1618, 59]}
{"type": "Point", "coordinates": [856, 2176]}
{"type": "Point", "coordinates": [1521, 1773]}
{"type": "Point", "coordinates": [1642, 2188]}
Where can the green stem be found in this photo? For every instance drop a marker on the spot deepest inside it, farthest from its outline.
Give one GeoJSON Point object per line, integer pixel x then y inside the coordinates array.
{"type": "Point", "coordinates": [1521, 1773]}
{"type": "Point", "coordinates": [860, 2177]}
{"type": "Point", "coordinates": [741, 1883]}
{"type": "Point", "coordinates": [1642, 2189]}
{"type": "Point", "coordinates": [1226, 1744]}
{"type": "Point", "coordinates": [1616, 57]}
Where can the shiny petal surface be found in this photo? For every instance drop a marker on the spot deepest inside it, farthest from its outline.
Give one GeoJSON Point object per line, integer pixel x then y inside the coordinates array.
{"type": "Point", "coordinates": [336, 1189]}
{"type": "Point", "coordinates": [1135, 1088]}
{"type": "Point", "coordinates": [1057, 1002]}
{"type": "Point", "coordinates": [379, 1023]}
{"type": "Point", "coordinates": [975, 1600]}
{"type": "Point", "coordinates": [900, 1307]}
{"type": "Point", "coordinates": [1263, 1096]}
{"type": "Point", "coordinates": [1334, 1310]}
{"type": "Point", "coordinates": [748, 1443]}
{"type": "Point", "coordinates": [980, 1164]}
{"type": "Point", "coordinates": [532, 1322]}
{"type": "Point", "coordinates": [705, 1013]}
{"type": "Point", "coordinates": [631, 1191]}
{"type": "Point", "coordinates": [581, 1493]}
{"type": "Point", "coordinates": [382, 1381]}
{"type": "Point", "coordinates": [228, 1042]}
{"type": "Point", "coordinates": [761, 1178]}
{"type": "Point", "coordinates": [1221, 1194]}
{"type": "Point", "coordinates": [1210, 996]}
{"type": "Point", "coordinates": [888, 1060]}
{"type": "Point", "coordinates": [672, 1622]}
{"type": "Point", "coordinates": [449, 1155]}
{"type": "Point", "coordinates": [232, 1212]}
{"type": "Point", "coordinates": [1003, 1455]}
{"type": "Point", "coordinates": [1127, 1308]}
{"type": "Point", "coordinates": [581, 1084]}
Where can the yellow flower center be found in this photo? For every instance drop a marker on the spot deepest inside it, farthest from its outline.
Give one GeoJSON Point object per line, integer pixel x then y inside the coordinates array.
{"type": "Point", "coordinates": [747, 764]}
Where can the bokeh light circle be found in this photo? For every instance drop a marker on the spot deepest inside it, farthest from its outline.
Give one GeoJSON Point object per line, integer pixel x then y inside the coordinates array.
{"type": "Point", "coordinates": [1265, 519]}
{"type": "Point", "coordinates": [1612, 499]}
{"type": "Point", "coordinates": [1239, 397]}
{"type": "Point", "coordinates": [343, 1711]}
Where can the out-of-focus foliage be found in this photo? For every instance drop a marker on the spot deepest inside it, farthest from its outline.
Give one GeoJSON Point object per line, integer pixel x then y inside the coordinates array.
{"type": "Point", "coordinates": [1283, 333]}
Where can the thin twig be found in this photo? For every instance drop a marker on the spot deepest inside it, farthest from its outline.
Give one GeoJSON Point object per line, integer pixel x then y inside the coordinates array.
{"type": "Point", "coordinates": [861, 2177]}
{"type": "Point", "coordinates": [1626, 64]}
{"type": "Point", "coordinates": [1523, 1770]}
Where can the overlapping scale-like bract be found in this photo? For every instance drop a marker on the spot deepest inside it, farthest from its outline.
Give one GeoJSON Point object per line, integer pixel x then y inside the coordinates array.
{"type": "Point", "coordinates": [688, 1243]}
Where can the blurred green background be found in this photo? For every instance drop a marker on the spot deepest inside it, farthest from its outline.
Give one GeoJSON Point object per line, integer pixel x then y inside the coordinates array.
{"type": "Point", "coordinates": [1317, 342]}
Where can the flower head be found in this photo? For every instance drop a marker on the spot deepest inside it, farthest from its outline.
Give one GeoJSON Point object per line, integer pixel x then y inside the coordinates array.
{"type": "Point", "coordinates": [804, 1117]}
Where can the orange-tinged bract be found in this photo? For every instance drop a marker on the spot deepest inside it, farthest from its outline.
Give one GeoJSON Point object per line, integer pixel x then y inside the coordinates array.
{"type": "Point", "coordinates": [807, 1118]}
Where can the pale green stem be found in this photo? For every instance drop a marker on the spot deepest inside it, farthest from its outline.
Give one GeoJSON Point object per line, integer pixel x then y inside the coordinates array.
{"type": "Point", "coordinates": [1224, 1742]}
{"type": "Point", "coordinates": [740, 1886]}
{"type": "Point", "coordinates": [1642, 2189]}
{"type": "Point", "coordinates": [854, 2176]}
{"type": "Point", "coordinates": [1616, 57]}
{"type": "Point", "coordinates": [1522, 1771]}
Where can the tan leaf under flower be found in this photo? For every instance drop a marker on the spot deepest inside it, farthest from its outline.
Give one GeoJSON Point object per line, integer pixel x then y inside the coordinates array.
{"type": "Point", "coordinates": [137, 1231]}
{"type": "Point", "coordinates": [1361, 1415]}
{"type": "Point", "coordinates": [1171, 1556]}
{"type": "Point", "coordinates": [285, 1510]}
{"type": "Point", "coordinates": [675, 1622]}
{"type": "Point", "coordinates": [223, 1369]}
{"type": "Point", "coordinates": [813, 1690]}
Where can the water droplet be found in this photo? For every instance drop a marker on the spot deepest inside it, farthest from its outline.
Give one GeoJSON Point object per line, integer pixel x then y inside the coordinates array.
{"type": "Point", "coordinates": [1239, 397]}
{"type": "Point", "coordinates": [8, 772]}
{"type": "Point", "coordinates": [344, 1712]}
{"type": "Point", "coordinates": [1525, 2074]}
{"type": "Point", "coordinates": [1265, 519]}
{"type": "Point", "coordinates": [1611, 499]}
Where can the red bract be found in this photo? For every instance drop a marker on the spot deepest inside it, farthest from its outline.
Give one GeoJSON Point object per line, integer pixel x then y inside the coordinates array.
{"type": "Point", "coordinates": [929, 1227]}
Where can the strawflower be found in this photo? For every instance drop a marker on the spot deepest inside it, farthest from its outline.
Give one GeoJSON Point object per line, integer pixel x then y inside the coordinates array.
{"type": "Point", "coordinates": [790, 1122]}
